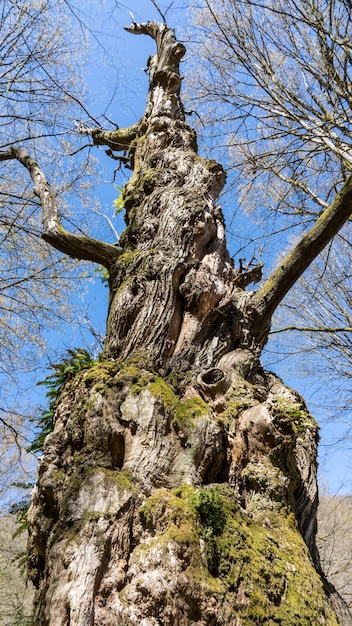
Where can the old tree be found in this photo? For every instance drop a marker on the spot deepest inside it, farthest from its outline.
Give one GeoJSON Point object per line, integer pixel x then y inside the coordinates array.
{"type": "Point", "coordinates": [178, 485]}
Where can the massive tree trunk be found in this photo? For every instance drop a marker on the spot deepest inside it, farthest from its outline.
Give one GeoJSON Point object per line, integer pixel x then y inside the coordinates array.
{"type": "Point", "coordinates": [178, 486]}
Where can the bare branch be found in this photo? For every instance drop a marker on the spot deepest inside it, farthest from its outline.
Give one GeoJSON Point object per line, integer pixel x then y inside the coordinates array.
{"type": "Point", "coordinates": [269, 296]}
{"type": "Point", "coordinates": [119, 139]}
{"type": "Point", "coordinates": [162, 15]}
{"type": "Point", "coordinates": [78, 247]}
{"type": "Point", "coordinates": [310, 329]}
{"type": "Point", "coordinates": [277, 83]}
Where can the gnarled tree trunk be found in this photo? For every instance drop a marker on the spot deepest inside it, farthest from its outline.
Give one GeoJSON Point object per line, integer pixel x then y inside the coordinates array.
{"type": "Point", "coordinates": [178, 486]}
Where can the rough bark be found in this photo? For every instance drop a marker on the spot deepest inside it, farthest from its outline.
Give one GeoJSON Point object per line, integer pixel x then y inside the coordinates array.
{"type": "Point", "coordinates": [159, 507]}
{"type": "Point", "coordinates": [179, 483]}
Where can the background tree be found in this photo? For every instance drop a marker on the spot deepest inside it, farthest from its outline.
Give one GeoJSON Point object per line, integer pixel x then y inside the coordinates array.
{"type": "Point", "coordinates": [282, 72]}
{"type": "Point", "coordinates": [16, 596]}
{"type": "Point", "coordinates": [334, 519]}
{"type": "Point", "coordinates": [318, 344]}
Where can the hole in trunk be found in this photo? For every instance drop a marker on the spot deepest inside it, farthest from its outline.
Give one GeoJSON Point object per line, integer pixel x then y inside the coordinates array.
{"type": "Point", "coordinates": [213, 376]}
{"type": "Point", "coordinates": [117, 449]}
{"type": "Point", "coordinates": [213, 381]}
{"type": "Point", "coordinates": [216, 471]}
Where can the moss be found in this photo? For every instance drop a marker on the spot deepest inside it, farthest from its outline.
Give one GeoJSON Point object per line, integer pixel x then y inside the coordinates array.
{"type": "Point", "coordinates": [172, 517]}
{"type": "Point", "coordinates": [141, 383]}
{"type": "Point", "coordinates": [233, 409]}
{"type": "Point", "coordinates": [266, 487]}
{"type": "Point", "coordinates": [162, 389]}
{"type": "Point", "coordinates": [181, 379]}
{"type": "Point", "coordinates": [137, 142]}
{"type": "Point", "coordinates": [294, 415]}
{"type": "Point", "coordinates": [91, 516]}
{"type": "Point", "coordinates": [261, 571]}
{"type": "Point", "coordinates": [133, 373]}
{"type": "Point", "coordinates": [189, 410]}
{"type": "Point", "coordinates": [166, 508]}
{"type": "Point", "coordinates": [201, 577]}
{"type": "Point", "coordinates": [239, 397]}
{"type": "Point", "coordinates": [118, 139]}
{"type": "Point", "coordinates": [123, 286]}
{"type": "Point", "coordinates": [98, 373]}
{"type": "Point", "coordinates": [185, 411]}
{"type": "Point", "coordinates": [59, 476]}
{"type": "Point", "coordinates": [132, 262]}
{"type": "Point", "coordinates": [121, 478]}
{"type": "Point", "coordinates": [99, 387]}
{"type": "Point", "coordinates": [135, 192]}
{"type": "Point", "coordinates": [272, 567]}
{"type": "Point", "coordinates": [137, 375]}
{"type": "Point", "coordinates": [128, 258]}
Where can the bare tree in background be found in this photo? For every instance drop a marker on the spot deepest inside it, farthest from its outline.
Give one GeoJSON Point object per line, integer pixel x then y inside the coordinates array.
{"type": "Point", "coordinates": [277, 79]}
{"type": "Point", "coordinates": [15, 595]}
{"type": "Point", "coordinates": [321, 336]}
{"type": "Point", "coordinates": [333, 539]}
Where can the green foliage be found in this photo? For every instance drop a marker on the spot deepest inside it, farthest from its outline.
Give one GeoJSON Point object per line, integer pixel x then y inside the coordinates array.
{"type": "Point", "coordinates": [210, 511]}
{"type": "Point", "coordinates": [20, 511]}
{"type": "Point", "coordinates": [76, 361]}
{"type": "Point", "coordinates": [118, 203]}
{"type": "Point", "coordinates": [103, 274]}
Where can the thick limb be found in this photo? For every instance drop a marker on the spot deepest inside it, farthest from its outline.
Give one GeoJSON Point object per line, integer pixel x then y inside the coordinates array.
{"type": "Point", "coordinates": [117, 140]}
{"type": "Point", "coordinates": [269, 296]}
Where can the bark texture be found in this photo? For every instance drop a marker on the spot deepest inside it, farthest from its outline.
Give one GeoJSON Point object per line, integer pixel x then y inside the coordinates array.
{"type": "Point", "coordinates": [178, 486]}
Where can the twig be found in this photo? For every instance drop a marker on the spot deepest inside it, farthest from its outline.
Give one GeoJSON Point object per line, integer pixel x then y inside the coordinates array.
{"type": "Point", "coordinates": [162, 15]}
{"type": "Point", "coordinates": [307, 329]}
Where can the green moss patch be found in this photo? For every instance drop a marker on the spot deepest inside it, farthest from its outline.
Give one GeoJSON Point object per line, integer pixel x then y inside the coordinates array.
{"type": "Point", "coordinates": [294, 416]}
{"type": "Point", "coordinates": [163, 390]}
{"type": "Point", "coordinates": [239, 397]}
{"type": "Point", "coordinates": [260, 573]}
{"type": "Point", "coordinates": [189, 410]}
